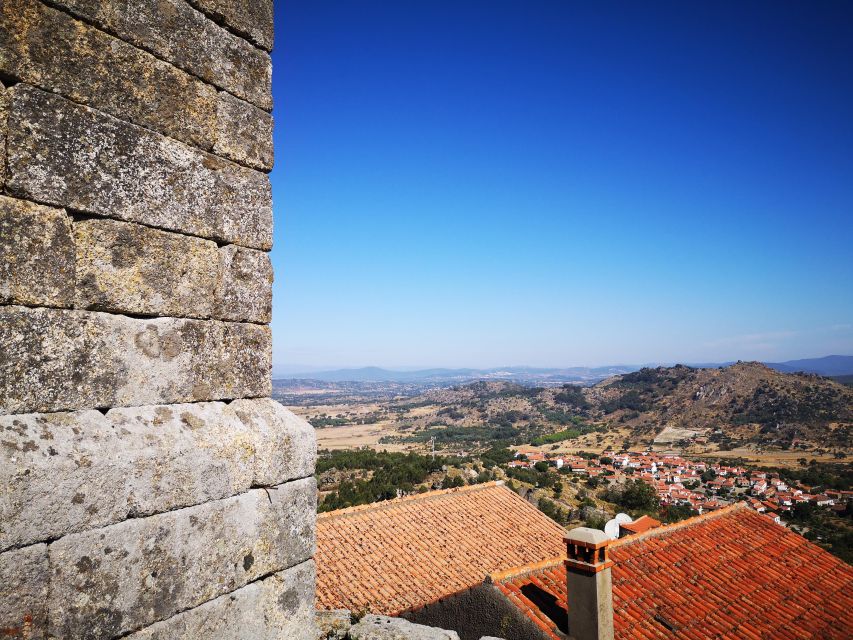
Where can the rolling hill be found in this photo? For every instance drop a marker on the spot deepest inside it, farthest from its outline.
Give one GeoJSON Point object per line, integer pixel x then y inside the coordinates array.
{"type": "Point", "coordinates": [826, 366]}
{"type": "Point", "coordinates": [701, 408]}
{"type": "Point", "coordinates": [743, 403]}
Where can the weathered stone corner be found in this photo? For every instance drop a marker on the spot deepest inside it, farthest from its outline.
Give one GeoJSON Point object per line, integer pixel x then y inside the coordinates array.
{"type": "Point", "coordinates": [252, 20]}
{"type": "Point", "coordinates": [126, 576]}
{"type": "Point", "coordinates": [244, 133]}
{"type": "Point", "coordinates": [165, 28]}
{"type": "Point", "coordinates": [62, 360]}
{"type": "Point", "coordinates": [137, 175]}
{"type": "Point", "coordinates": [244, 289]}
{"type": "Point", "coordinates": [151, 488]}
{"type": "Point", "coordinates": [70, 472]}
{"type": "Point", "coordinates": [142, 513]}
{"type": "Point", "coordinates": [47, 258]}
{"type": "Point", "coordinates": [275, 608]}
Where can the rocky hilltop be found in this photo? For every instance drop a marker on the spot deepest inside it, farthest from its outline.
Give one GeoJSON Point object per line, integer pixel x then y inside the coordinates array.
{"type": "Point", "coordinates": [719, 408]}
{"type": "Point", "coordinates": [744, 402]}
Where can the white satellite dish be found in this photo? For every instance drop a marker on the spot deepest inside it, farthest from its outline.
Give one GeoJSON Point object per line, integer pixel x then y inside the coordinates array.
{"type": "Point", "coordinates": [611, 529]}
{"type": "Point", "coordinates": [623, 518]}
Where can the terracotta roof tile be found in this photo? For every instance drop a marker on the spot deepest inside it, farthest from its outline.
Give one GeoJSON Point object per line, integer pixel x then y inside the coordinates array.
{"type": "Point", "coordinates": [641, 524]}
{"type": "Point", "coordinates": [391, 556]}
{"type": "Point", "coordinates": [732, 573]}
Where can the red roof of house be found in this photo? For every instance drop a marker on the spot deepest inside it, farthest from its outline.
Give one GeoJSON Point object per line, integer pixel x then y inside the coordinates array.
{"type": "Point", "coordinates": [641, 524]}
{"type": "Point", "coordinates": [732, 573]}
{"type": "Point", "coordinates": [390, 556]}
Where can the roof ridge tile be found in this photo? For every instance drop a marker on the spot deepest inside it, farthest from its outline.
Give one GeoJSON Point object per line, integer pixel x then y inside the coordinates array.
{"type": "Point", "coordinates": [388, 504]}
{"type": "Point", "coordinates": [675, 526]}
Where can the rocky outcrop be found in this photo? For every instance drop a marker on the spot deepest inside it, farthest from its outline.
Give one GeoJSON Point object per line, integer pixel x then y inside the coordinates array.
{"type": "Point", "coordinates": [338, 624]}
{"type": "Point", "coordinates": [385, 628]}
{"type": "Point", "coordinates": [333, 624]}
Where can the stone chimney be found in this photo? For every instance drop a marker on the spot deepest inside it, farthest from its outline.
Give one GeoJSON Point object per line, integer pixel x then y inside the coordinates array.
{"type": "Point", "coordinates": [589, 586]}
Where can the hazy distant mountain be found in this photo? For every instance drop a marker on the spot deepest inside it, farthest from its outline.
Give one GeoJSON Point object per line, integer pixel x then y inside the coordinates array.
{"type": "Point", "coordinates": [826, 366]}
{"type": "Point", "coordinates": [377, 374]}
{"type": "Point", "coordinates": [514, 374]}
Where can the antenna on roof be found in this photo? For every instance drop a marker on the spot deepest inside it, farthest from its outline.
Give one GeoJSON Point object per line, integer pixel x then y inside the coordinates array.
{"type": "Point", "coordinates": [611, 529]}
{"type": "Point", "coordinates": [623, 518]}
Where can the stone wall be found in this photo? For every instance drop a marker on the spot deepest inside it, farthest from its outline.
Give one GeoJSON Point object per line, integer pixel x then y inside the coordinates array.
{"type": "Point", "coordinates": [149, 488]}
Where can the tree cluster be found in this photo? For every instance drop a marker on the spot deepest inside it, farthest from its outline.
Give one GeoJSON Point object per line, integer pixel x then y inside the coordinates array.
{"type": "Point", "coordinates": [634, 495]}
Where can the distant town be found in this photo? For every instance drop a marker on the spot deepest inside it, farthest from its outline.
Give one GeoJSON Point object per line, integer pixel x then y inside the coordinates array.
{"type": "Point", "coordinates": [698, 485]}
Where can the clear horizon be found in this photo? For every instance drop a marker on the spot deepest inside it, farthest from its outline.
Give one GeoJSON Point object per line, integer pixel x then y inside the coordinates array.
{"type": "Point", "coordinates": [470, 184]}
{"type": "Point", "coordinates": [286, 368]}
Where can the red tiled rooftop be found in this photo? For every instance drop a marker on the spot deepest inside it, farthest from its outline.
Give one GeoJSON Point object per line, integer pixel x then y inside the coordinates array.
{"type": "Point", "coordinates": [732, 573]}
{"type": "Point", "coordinates": [641, 524]}
{"type": "Point", "coordinates": [391, 556]}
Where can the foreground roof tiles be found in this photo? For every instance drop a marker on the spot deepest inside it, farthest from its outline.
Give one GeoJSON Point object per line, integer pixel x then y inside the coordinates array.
{"type": "Point", "coordinates": [395, 555]}
{"type": "Point", "coordinates": [729, 574]}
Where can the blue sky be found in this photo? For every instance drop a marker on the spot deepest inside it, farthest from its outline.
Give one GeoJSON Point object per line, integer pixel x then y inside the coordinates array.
{"type": "Point", "coordinates": [562, 183]}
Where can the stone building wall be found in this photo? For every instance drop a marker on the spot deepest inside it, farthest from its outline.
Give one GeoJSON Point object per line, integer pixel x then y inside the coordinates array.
{"type": "Point", "coordinates": [149, 488]}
